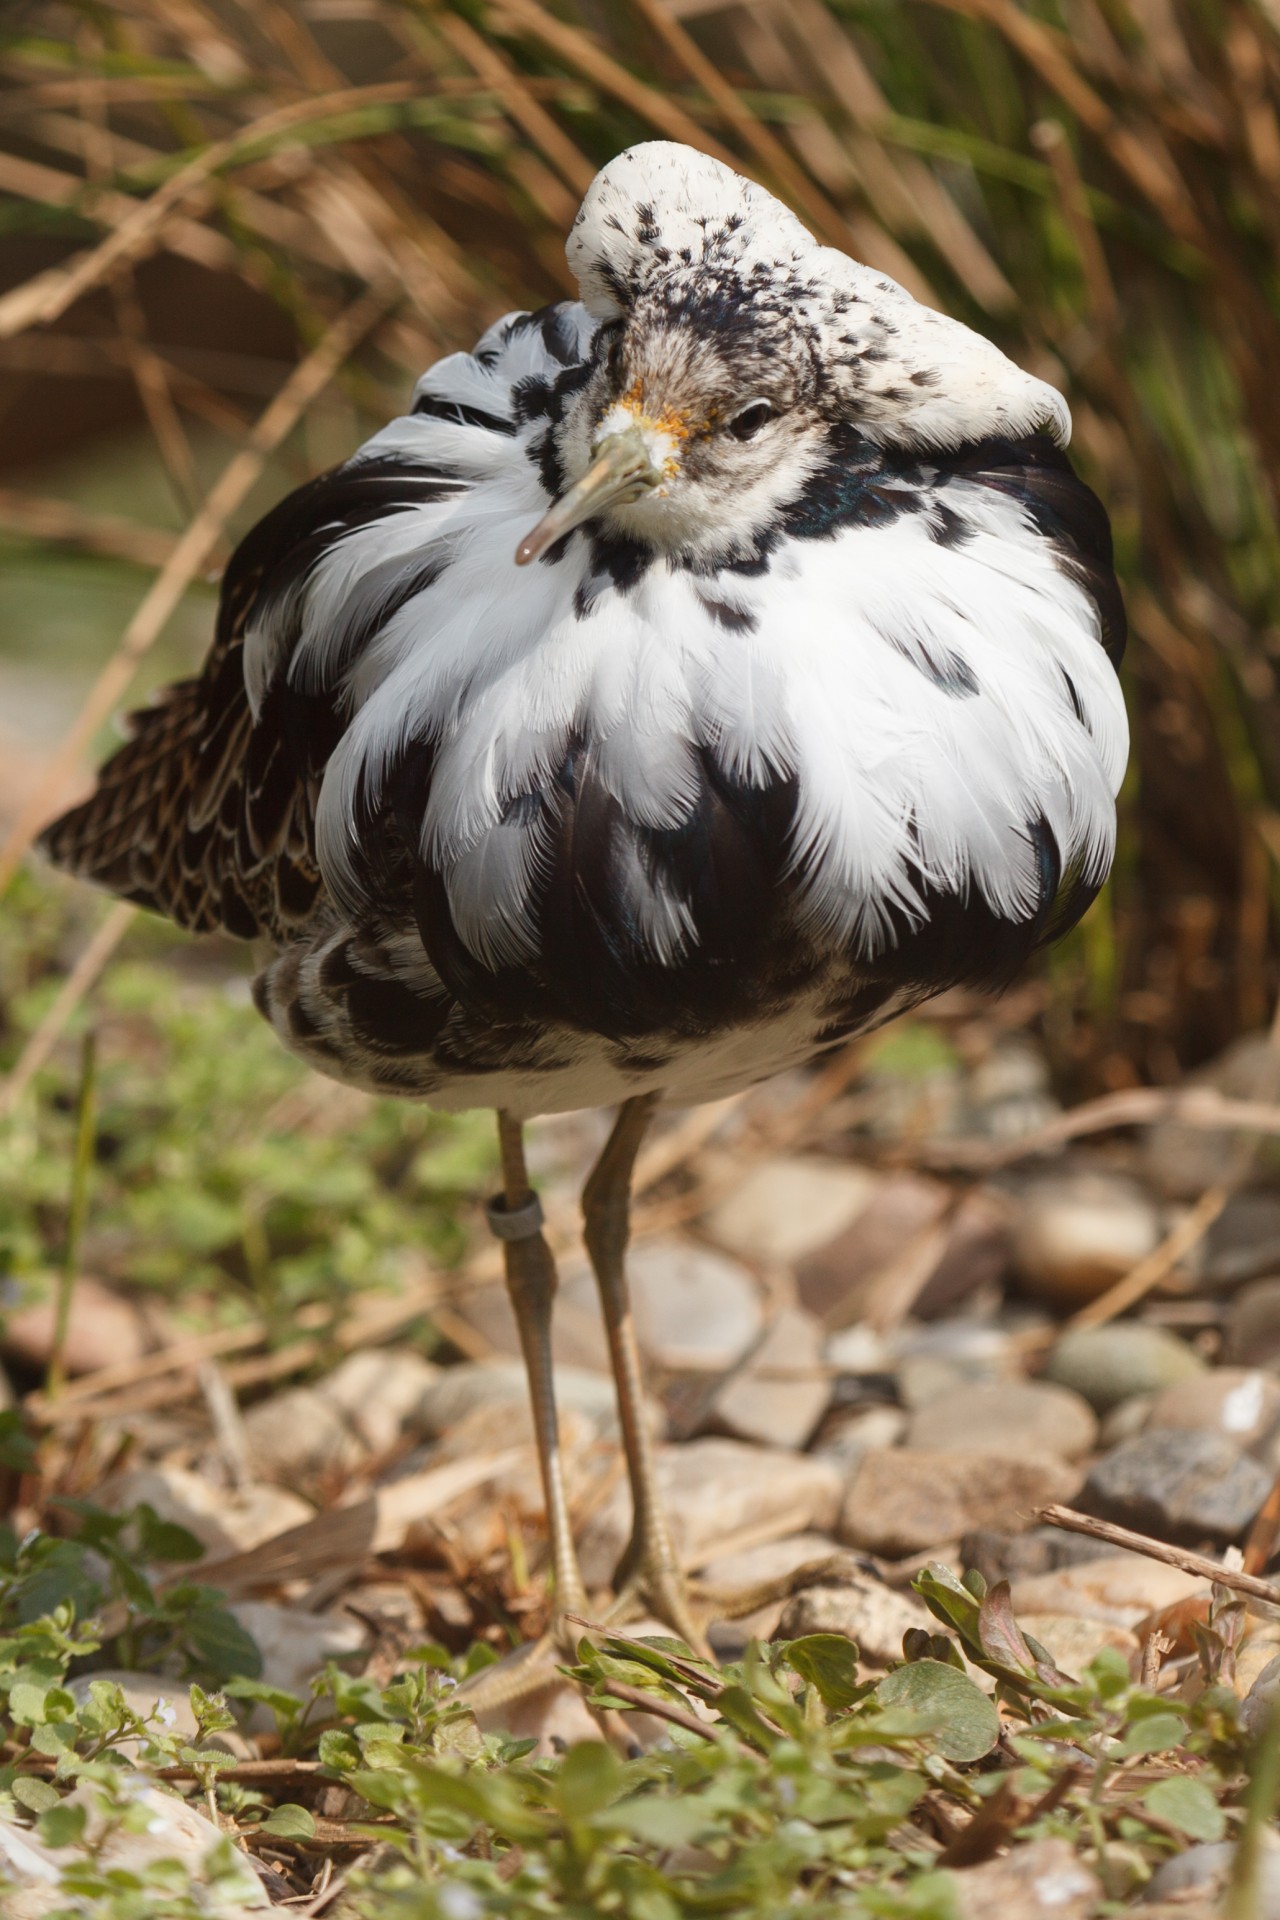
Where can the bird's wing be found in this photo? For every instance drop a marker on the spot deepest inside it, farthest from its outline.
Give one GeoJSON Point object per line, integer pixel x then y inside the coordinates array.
{"type": "Point", "coordinates": [207, 813]}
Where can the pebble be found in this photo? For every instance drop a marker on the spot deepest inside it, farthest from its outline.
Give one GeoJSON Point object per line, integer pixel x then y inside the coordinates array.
{"type": "Point", "coordinates": [1071, 1639]}
{"type": "Point", "coordinates": [497, 1386]}
{"type": "Point", "coordinates": [379, 1391]}
{"type": "Point", "coordinates": [788, 1206]}
{"type": "Point", "coordinates": [1122, 1588]}
{"type": "Point", "coordinates": [164, 1828]}
{"type": "Point", "coordinates": [1206, 1869]}
{"type": "Point", "coordinates": [1178, 1485]}
{"type": "Point", "coordinates": [867, 1612]}
{"type": "Point", "coordinates": [1183, 1161]}
{"type": "Point", "coordinates": [900, 1500]}
{"type": "Point", "coordinates": [300, 1435]}
{"type": "Point", "coordinates": [1126, 1418]}
{"type": "Point", "coordinates": [937, 1359]}
{"type": "Point", "coordinates": [1260, 1692]}
{"type": "Point", "coordinates": [781, 1393]}
{"type": "Point", "coordinates": [223, 1522]}
{"type": "Point", "coordinates": [1075, 1234]}
{"type": "Point", "coordinates": [974, 1258]}
{"type": "Point", "coordinates": [1008, 1093]}
{"type": "Point", "coordinates": [1041, 1877]}
{"type": "Point", "coordinates": [1112, 1363]}
{"type": "Point", "coordinates": [294, 1646]}
{"type": "Point", "coordinates": [737, 1576]}
{"type": "Point", "coordinates": [1252, 1333]}
{"type": "Point", "coordinates": [1028, 1416]}
{"type": "Point", "coordinates": [998, 1555]}
{"type": "Point", "coordinates": [696, 1310]}
{"type": "Point", "coordinates": [715, 1490]}
{"type": "Point", "coordinates": [836, 1279]}
{"type": "Point", "coordinates": [104, 1330]}
{"type": "Point", "coordinates": [1241, 1403]}
{"type": "Point", "coordinates": [846, 1439]}
{"type": "Point", "coordinates": [856, 1349]}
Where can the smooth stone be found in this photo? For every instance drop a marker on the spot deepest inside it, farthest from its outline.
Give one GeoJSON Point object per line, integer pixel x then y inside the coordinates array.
{"type": "Point", "coordinates": [856, 1349]}
{"type": "Point", "coordinates": [150, 1695]}
{"type": "Point", "coordinates": [715, 1491]}
{"type": "Point", "coordinates": [300, 1435]}
{"type": "Point", "coordinates": [161, 1826]}
{"type": "Point", "coordinates": [1252, 1333]}
{"type": "Point", "coordinates": [742, 1576]}
{"type": "Point", "coordinates": [864, 1610]}
{"type": "Point", "coordinates": [1183, 1161]}
{"type": "Point", "coordinates": [1126, 1419]}
{"type": "Point", "coordinates": [947, 1356]}
{"type": "Point", "coordinates": [847, 1438]}
{"type": "Point", "coordinates": [1075, 1234]}
{"type": "Point", "coordinates": [696, 1309]}
{"type": "Point", "coordinates": [1206, 1869]}
{"type": "Point", "coordinates": [1071, 1639]}
{"type": "Point", "coordinates": [836, 1280]}
{"type": "Point", "coordinates": [1112, 1363]}
{"type": "Point", "coordinates": [104, 1330]}
{"type": "Point", "coordinates": [788, 1206]}
{"type": "Point", "coordinates": [1257, 1682]}
{"type": "Point", "coordinates": [1122, 1588]}
{"type": "Point", "coordinates": [295, 1647]}
{"type": "Point", "coordinates": [974, 1258]}
{"type": "Point", "coordinates": [901, 1500]}
{"type": "Point", "coordinates": [998, 1555]}
{"type": "Point", "coordinates": [1241, 1403]}
{"type": "Point", "coordinates": [1029, 1415]}
{"type": "Point", "coordinates": [1008, 1093]}
{"type": "Point", "coordinates": [1178, 1485]}
{"type": "Point", "coordinates": [499, 1385]}
{"type": "Point", "coordinates": [222, 1521]}
{"type": "Point", "coordinates": [781, 1393]}
{"type": "Point", "coordinates": [1038, 1878]}
{"type": "Point", "coordinates": [380, 1392]}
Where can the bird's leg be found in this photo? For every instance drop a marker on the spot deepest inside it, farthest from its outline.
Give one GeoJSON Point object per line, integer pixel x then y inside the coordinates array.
{"type": "Point", "coordinates": [515, 1217]}
{"type": "Point", "coordinates": [649, 1566]}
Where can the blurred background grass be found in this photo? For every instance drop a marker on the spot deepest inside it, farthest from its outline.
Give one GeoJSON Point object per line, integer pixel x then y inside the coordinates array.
{"type": "Point", "coordinates": [200, 197]}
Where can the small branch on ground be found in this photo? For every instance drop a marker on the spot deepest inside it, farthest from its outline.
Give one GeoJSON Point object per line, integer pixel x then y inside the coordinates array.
{"type": "Point", "coordinates": [1197, 1563]}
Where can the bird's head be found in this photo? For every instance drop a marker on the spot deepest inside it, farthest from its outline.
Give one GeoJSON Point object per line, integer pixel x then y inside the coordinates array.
{"type": "Point", "coordinates": [734, 357]}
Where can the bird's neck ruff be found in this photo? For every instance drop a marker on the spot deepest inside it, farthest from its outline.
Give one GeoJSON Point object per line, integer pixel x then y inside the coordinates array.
{"type": "Point", "coordinates": [846, 678]}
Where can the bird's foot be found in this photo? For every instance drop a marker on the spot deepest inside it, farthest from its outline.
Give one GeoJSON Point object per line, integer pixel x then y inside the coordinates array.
{"type": "Point", "coordinates": [649, 1580]}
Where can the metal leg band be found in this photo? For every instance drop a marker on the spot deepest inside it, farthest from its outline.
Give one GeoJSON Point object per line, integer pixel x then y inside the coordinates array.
{"type": "Point", "coordinates": [514, 1223]}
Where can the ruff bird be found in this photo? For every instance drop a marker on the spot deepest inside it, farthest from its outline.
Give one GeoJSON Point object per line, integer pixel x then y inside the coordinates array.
{"type": "Point", "coordinates": [699, 673]}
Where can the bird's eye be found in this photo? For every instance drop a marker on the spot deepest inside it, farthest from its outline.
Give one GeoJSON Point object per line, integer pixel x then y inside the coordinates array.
{"type": "Point", "coordinates": [747, 422]}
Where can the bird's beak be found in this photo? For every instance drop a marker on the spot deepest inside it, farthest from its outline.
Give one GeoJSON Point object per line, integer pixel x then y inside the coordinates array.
{"type": "Point", "coordinates": [622, 467]}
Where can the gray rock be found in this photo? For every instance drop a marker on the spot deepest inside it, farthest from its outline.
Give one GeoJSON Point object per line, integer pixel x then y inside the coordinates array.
{"type": "Point", "coordinates": [1008, 1094]}
{"type": "Point", "coordinates": [837, 1279]}
{"type": "Point", "coordinates": [947, 1355]}
{"type": "Point", "coordinates": [1075, 1234]}
{"type": "Point", "coordinates": [1043, 1876]}
{"type": "Point", "coordinates": [998, 1555]}
{"type": "Point", "coordinates": [1259, 1702]}
{"type": "Point", "coordinates": [788, 1206]}
{"type": "Point", "coordinates": [696, 1310]}
{"type": "Point", "coordinates": [1241, 1403]}
{"type": "Point", "coordinates": [1252, 1334]}
{"type": "Point", "coordinates": [715, 1491]}
{"type": "Point", "coordinates": [224, 1522]}
{"type": "Point", "coordinates": [1206, 1870]}
{"type": "Point", "coordinates": [781, 1393]}
{"type": "Point", "coordinates": [295, 1647]}
{"type": "Point", "coordinates": [900, 1501]}
{"type": "Point", "coordinates": [857, 1349]}
{"type": "Point", "coordinates": [1112, 1363]}
{"type": "Point", "coordinates": [1027, 1416]}
{"type": "Point", "coordinates": [1179, 1486]}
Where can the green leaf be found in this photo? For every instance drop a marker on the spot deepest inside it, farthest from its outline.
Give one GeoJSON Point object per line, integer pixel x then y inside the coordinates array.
{"type": "Point", "coordinates": [164, 1539]}
{"type": "Point", "coordinates": [1188, 1805]}
{"type": "Point", "coordinates": [36, 1795]}
{"type": "Point", "coordinates": [63, 1825]}
{"type": "Point", "coordinates": [829, 1662]}
{"type": "Point", "coordinates": [1155, 1733]}
{"type": "Point", "coordinates": [289, 1822]}
{"type": "Point", "coordinates": [590, 1777]}
{"type": "Point", "coordinates": [26, 1703]}
{"type": "Point", "coordinates": [963, 1722]}
{"type": "Point", "coordinates": [222, 1643]}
